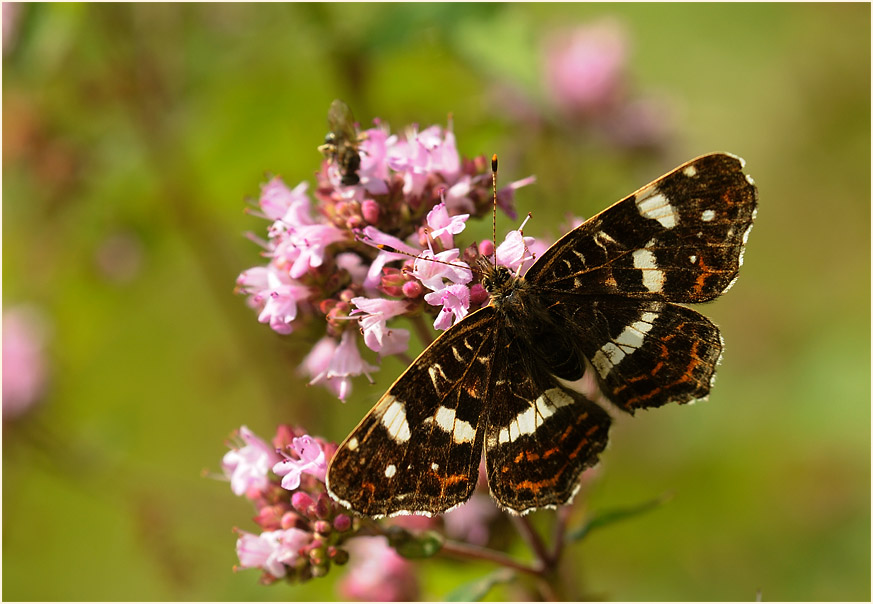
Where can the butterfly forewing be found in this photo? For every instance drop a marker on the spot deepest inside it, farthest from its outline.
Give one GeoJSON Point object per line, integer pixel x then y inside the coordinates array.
{"type": "Point", "coordinates": [679, 238]}
{"type": "Point", "coordinates": [419, 449]}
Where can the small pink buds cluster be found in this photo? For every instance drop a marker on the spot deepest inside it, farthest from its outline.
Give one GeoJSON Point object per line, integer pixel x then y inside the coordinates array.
{"type": "Point", "coordinates": [302, 532]}
{"type": "Point", "coordinates": [364, 254]}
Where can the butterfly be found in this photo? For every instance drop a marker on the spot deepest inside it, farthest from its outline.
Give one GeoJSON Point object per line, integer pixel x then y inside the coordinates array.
{"type": "Point", "coordinates": [604, 306]}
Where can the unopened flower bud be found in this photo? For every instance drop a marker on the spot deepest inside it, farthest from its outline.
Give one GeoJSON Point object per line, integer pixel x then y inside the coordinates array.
{"type": "Point", "coordinates": [322, 527]}
{"type": "Point", "coordinates": [319, 571]}
{"type": "Point", "coordinates": [269, 517]}
{"type": "Point", "coordinates": [486, 247]}
{"type": "Point", "coordinates": [340, 557]}
{"type": "Point", "coordinates": [370, 211]}
{"type": "Point", "coordinates": [302, 502]}
{"type": "Point", "coordinates": [322, 506]}
{"type": "Point", "coordinates": [291, 520]}
{"type": "Point", "coordinates": [478, 294]}
{"type": "Point", "coordinates": [412, 289]}
{"type": "Point", "coordinates": [342, 523]}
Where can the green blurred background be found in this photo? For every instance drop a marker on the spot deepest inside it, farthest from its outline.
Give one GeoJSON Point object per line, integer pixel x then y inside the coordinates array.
{"type": "Point", "coordinates": [132, 135]}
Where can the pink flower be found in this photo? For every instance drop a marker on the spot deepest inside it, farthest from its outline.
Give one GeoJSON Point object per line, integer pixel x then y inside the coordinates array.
{"type": "Point", "coordinates": [374, 166]}
{"type": "Point", "coordinates": [432, 274]}
{"type": "Point", "coordinates": [443, 226]}
{"type": "Point", "coordinates": [585, 67]}
{"type": "Point", "coordinates": [374, 236]}
{"type": "Point", "coordinates": [377, 573]}
{"type": "Point", "coordinates": [470, 521]}
{"type": "Point", "coordinates": [455, 300]}
{"type": "Point", "coordinates": [304, 247]}
{"type": "Point", "coordinates": [337, 366]}
{"type": "Point", "coordinates": [24, 362]}
{"type": "Point", "coordinates": [275, 294]}
{"type": "Point", "coordinates": [373, 315]}
{"type": "Point", "coordinates": [287, 207]}
{"type": "Point", "coordinates": [506, 195]}
{"type": "Point", "coordinates": [310, 459]}
{"type": "Point", "coordinates": [271, 550]}
{"type": "Point", "coordinates": [421, 154]}
{"type": "Point", "coordinates": [248, 466]}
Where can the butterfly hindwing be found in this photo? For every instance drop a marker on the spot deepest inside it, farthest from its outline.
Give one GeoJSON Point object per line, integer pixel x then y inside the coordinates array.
{"type": "Point", "coordinates": [539, 434]}
{"type": "Point", "coordinates": [645, 353]}
{"type": "Point", "coordinates": [418, 450]}
{"type": "Point", "coordinates": [680, 238]}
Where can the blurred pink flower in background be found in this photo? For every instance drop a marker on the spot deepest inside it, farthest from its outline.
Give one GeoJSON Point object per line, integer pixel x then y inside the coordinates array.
{"type": "Point", "coordinates": [25, 370]}
{"type": "Point", "coordinates": [378, 573]}
{"type": "Point", "coordinates": [585, 67]}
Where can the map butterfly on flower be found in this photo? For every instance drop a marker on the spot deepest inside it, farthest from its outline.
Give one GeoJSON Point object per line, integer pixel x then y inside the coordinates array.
{"type": "Point", "coordinates": [604, 305]}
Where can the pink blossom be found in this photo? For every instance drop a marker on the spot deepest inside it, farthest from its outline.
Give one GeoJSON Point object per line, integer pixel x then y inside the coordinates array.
{"type": "Point", "coordinates": [310, 459]}
{"type": "Point", "coordinates": [432, 274]}
{"type": "Point", "coordinates": [271, 550]}
{"type": "Point", "coordinates": [373, 315]}
{"type": "Point", "coordinates": [443, 226]}
{"type": "Point", "coordinates": [24, 362]}
{"type": "Point", "coordinates": [338, 368]}
{"type": "Point", "coordinates": [287, 207]}
{"type": "Point", "coordinates": [374, 236]}
{"type": "Point", "coordinates": [506, 195]}
{"type": "Point", "coordinates": [373, 150]}
{"type": "Point", "coordinates": [304, 247]}
{"type": "Point", "coordinates": [421, 154]}
{"type": "Point", "coordinates": [248, 466]}
{"type": "Point", "coordinates": [513, 250]}
{"type": "Point", "coordinates": [455, 300]}
{"type": "Point", "coordinates": [275, 294]}
{"type": "Point", "coordinates": [457, 196]}
{"type": "Point", "coordinates": [585, 67]}
{"type": "Point", "coordinates": [469, 522]}
{"type": "Point", "coordinates": [378, 573]}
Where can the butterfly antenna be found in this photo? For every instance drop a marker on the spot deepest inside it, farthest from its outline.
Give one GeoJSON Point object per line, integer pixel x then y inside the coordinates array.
{"type": "Point", "coordinates": [494, 209]}
{"type": "Point", "coordinates": [389, 248]}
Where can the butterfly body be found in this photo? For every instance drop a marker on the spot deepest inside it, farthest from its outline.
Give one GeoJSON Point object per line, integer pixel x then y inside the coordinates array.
{"type": "Point", "coordinates": [597, 317]}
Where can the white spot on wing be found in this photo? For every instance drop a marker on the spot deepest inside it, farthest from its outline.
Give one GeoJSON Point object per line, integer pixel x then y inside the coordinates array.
{"type": "Point", "coordinates": [653, 277]}
{"type": "Point", "coordinates": [656, 206]}
{"type": "Point", "coordinates": [394, 420]}
{"type": "Point", "coordinates": [352, 444]}
{"type": "Point", "coordinates": [461, 431]}
{"type": "Point", "coordinates": [690, 171]}
{"type": "Point", "coordinates": [707, 215]}
{"type": "Point", "coordinates": [390, 470]}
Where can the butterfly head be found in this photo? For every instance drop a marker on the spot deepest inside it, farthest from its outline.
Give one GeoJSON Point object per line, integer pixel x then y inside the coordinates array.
{"type": "Point", "coordinates": [498, 281]}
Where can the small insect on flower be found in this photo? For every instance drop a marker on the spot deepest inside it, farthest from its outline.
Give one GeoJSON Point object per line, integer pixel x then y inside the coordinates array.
{"type": "Point", "coordinates": [341, 142]}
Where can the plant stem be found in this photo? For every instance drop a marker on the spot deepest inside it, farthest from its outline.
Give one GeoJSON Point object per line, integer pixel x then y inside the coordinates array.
{"type": "Point", "coordinates": [467, 551]}
{"type": "Point", "coordinates": [422, 330]}
{"type": "Point", "coordinates": [522, 523]}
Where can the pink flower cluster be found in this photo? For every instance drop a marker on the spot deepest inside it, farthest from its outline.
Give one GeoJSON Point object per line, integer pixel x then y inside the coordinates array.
{"type": "Point", "coordinates": [367, 254]}
{"type": "Point", "coordinates": [302, 533]}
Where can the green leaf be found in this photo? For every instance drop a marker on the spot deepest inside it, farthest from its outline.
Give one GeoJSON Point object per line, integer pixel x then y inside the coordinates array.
{"type": "Point", "coordinates": [476, 589]}
{"type": "Point", "coordinates": [601, 519]}
{"type": "Point", "coordinates": [414, 545]}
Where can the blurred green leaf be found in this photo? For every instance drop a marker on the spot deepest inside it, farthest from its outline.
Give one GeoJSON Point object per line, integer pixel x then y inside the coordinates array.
{"type": "Point", "coordinates": [605, 518]}
{"type": "Point", "coordinates": [477, 589]}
